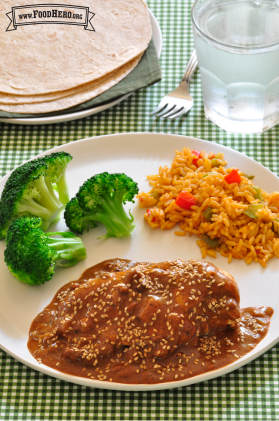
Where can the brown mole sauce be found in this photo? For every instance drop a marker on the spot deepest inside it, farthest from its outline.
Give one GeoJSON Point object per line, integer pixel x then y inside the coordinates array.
{"type": "Point", "coordinates": [137, 323]}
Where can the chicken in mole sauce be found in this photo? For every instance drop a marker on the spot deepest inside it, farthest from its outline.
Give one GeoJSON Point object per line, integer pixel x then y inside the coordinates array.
{"type": "Point", "coordinates": [146, 323]}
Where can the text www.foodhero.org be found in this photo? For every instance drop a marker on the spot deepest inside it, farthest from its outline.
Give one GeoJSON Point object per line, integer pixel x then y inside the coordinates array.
{"type": "Point", "coordinates": [53, 14]}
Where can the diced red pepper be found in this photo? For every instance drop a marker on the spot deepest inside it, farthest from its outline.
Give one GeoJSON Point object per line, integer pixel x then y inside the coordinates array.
{"type": "Point", "coordinates": [185, 200]}
{"type": "Point", "coordinates": [197, 153]}
{"type": "Point", "coordinates": [148, 211]}
{"type": "Point", "coordinates": [195, 160]}
{"type": "Point", "coordinates": [233, 177]}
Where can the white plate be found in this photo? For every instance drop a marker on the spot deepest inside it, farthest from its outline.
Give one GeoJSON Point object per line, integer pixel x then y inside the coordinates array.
{"type": "Point", "coordinates": [157, 39]}
{"type": "Point", "coordinates": [137, 155]}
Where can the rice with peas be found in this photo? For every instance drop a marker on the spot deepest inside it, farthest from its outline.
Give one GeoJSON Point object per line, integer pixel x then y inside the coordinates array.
{"type": "Point", "coordinates": [237, 219]}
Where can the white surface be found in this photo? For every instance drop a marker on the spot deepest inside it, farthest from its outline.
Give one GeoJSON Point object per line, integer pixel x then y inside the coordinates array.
{"type": "Point", "coordinates": [157, 39]}
{"type": "Point", "coordinates": [137, 155]}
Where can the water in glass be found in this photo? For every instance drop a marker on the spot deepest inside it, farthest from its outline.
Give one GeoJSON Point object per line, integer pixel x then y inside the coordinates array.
{"type": "Point", "coordinates": [237, 44]}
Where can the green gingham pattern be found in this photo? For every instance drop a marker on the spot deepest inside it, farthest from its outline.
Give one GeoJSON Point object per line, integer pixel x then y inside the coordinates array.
{"type": "Point", "coordinates": [250, 393]}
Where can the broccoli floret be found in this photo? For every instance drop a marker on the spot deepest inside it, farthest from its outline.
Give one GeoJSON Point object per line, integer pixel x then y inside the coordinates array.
{"type": "Point", "coordinates": [76, 218]}
{"type": "Point", "coordinates": [30, 191]}
{"type": "Point", "coordinates": [31, 253]}
{"type": "Point", "coordinates": [56, 166]}
{"type": "Point", "coordinates": [101, 199]}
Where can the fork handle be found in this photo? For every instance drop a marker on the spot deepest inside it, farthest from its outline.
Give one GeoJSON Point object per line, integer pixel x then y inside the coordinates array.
{"type": "Point", "coordinates": [191, 67]}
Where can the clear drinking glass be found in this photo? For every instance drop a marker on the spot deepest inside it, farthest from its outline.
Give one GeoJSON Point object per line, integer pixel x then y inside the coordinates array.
{"type": "Point", "coordinates": [237, 45]}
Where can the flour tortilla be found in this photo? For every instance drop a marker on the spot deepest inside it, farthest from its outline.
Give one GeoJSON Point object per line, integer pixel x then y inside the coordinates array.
{"type": "Point", "coordinates": [92, 88]}
{"type": "Point", "coordinates": [11, 99]}
{"type": "Point", "coordinates": [47, 58]}
{"type": "Point", "coordinates": [74, 99]}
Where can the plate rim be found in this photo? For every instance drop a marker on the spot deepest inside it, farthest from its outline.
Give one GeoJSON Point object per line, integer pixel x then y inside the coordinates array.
{"type": "Point", "coordinates": [55, 119]}
{"type": "Point", "coordinates": [143, 387]}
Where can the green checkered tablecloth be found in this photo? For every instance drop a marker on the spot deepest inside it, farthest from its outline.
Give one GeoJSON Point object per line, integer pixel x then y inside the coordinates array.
{"type": "Point", "coordinates": [250, 393]}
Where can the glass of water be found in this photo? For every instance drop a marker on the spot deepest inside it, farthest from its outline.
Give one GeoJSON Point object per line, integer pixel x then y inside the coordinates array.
{"type": "Point", "coordinates": [237, 45]}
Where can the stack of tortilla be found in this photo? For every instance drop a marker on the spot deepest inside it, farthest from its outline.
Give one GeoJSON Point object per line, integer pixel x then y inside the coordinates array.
{"type": "Point", "coordinates": [51, 67]}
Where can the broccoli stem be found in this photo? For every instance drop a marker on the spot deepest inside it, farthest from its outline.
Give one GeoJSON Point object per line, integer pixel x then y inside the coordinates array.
{"type": "Point", "coordinates": [63, 190]}
{"type": "Point", "coordinates": [113, 216]}
{"type": "Point", "coordinates": [87, 221]}
{"type": "Point", "coordinates": [50, 188]}
{"type": "Point", "coordinates": [47, 195]}
{"type": "Point", "coordinates": [29, 206]}
{"type": "Point", "coordinates": [88, 217]}
{"type": "Point", "coordinates": [44, 225]}
{"type": "Point", "coordinates": [68, 248]}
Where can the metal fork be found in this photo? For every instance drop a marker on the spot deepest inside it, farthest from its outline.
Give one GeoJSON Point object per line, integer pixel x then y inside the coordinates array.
{"type": "Point", "coordinates": [179, 101]}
